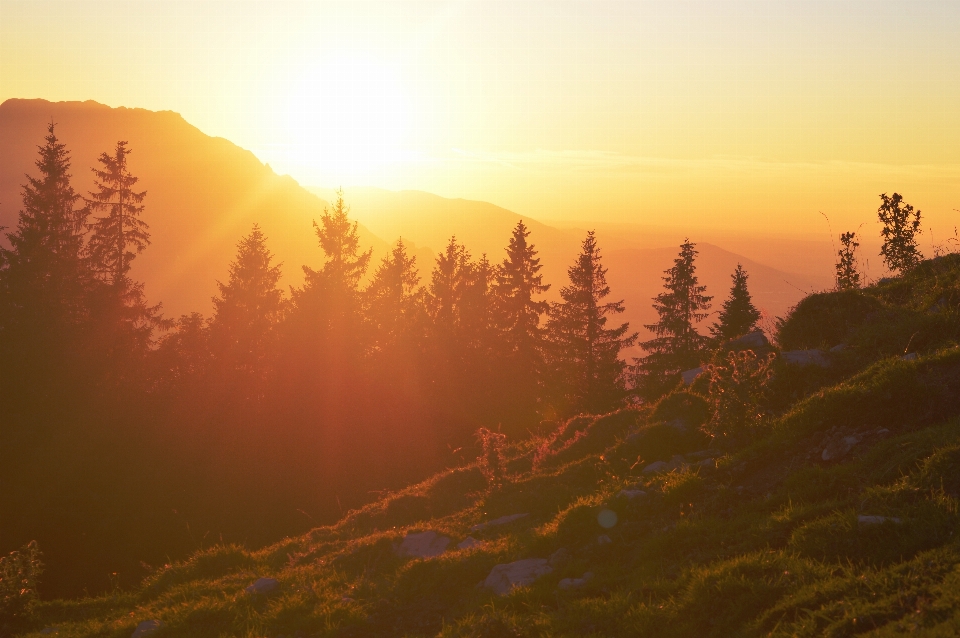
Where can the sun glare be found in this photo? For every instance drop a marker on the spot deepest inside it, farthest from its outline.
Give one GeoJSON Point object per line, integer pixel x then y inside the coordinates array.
{"type": "Point", "coordinates": [345, 118]}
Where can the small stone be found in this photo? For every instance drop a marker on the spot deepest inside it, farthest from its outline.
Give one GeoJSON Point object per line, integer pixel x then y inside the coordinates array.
{"type": "Point", "coordinates": [689, 376]}
{"type": "Point", "coordinates": [49, 630]}
{"type": "Point", "coordinates": [909, 357]}
{"type": "Point", "coordinates": [505, 577]}
{"type": "Point", "coordinates": [754, 340]}
{"type": "Point", "coordinates": [877, 520]}
{"type": "Point", "coordinates": [708, 463]}
{"type": "Point", "coordinates": [656, 467]}
{"type": "Point", "coordinates": [423, 545]}
{"type": "Point", "coordinates": [839, 448]}
{"type": "Point", "coordinates": [805, 358]}
{"type": "Point", "coordinates": [503, 520]}
{"type": "Point", "coordinates": [469, 543]}
{"type": "Point", "coordinates": [559, 557]}
{"type": "Point", "coordinates": [146, 627]}
{"type": "Point", "coordinates": [346, 599]}
{"type": "Point", "coordinates": [840, 347]}
{"type": "Point", "coordinates": [632, 494]}
{"type": "Point", "coordinates": [603, 539]}
{"type": "Point", "coordinates": [262, 586]}
{"type": "Point", "coordinates": [574, 583]}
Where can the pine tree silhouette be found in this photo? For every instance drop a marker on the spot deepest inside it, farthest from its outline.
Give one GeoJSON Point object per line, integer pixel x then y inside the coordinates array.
{"type": "Point", "coordinates": [119, 235]}
{"type": "Point", "coordinates": [738, 316]}
{"type": "Point", "coordinates": [677, 346]}
{"type": "Point", "coordinates": [393, 298]}
{"type": "Point", "coordinates": [246, 313]}
{"type": "Point", "coordinates": [585, 354]}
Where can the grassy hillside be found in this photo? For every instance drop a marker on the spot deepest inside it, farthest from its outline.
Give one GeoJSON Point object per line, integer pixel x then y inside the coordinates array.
{"type": "Point", "coordinates": [838, 519]}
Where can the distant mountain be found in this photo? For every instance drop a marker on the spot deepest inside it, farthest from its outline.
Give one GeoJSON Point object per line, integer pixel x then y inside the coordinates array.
{"type": "Point", "coordinates": [635, 257]}
{"type": "Point", "coordinates": [203, 193]}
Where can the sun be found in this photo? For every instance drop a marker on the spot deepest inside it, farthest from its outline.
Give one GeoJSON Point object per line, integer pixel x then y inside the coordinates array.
{"type": "Point", "coordinates": [345, 118]}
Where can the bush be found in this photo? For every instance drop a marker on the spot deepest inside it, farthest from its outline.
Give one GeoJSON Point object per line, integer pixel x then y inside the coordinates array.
{"type": "Point", "coordinates": [736, 390]}
{"type": "Point", "coordinates": [491, 461]}
{"type": "Point", "coordinates": [19, 576]}
{"type": "Point", "coordinates": [825, 319]}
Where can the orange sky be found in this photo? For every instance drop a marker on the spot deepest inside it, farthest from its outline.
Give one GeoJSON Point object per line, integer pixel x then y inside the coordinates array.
{"type": "Point", "coordinates": [712, 113]}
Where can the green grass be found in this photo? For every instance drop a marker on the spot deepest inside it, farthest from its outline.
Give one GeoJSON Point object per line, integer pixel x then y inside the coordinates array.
{"type": "Point", "coordinates": [767, 543]}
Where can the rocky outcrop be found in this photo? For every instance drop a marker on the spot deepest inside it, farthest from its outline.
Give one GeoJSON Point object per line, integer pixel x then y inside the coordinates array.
{"type": "Point", "coordinates": [423, 545]}
{"type": "Point", "coordinates": [504, 578]}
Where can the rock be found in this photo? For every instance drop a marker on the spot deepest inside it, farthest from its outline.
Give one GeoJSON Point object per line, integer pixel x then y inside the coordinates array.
{"type": "Point", "coordinates": [603, 539]}
{"type": "Point", "coordinates": [503, 578]}
{"type": "Point", "coordinates": [346, 599]}
{"type": "Point", "coordinates": [752, 340]}
{"type": "Point", "coordinates": [573, 583]}
{"type": "Point", "coordinates": [805, 358]}
{"type": "Point", "coordinates": [877, 520]}
{"type": "Point", "coordinates": [690, 376]}
{"type": "Point", "coordinates": [146, 627]}
{"type": "Point", "coordinates": [503, 520]}
{"type": "Point", "coordinates": [657, 467]}
{"type": "Point", "coordinates": [909, 357]}
{"type": "Point", "coordinates": [708, 463]}
{"type": "Point", "coordinates": [678, 424]}
{"type": "Point", "coordinates": [262, 586]}
{"type": "Point", "coordinates": [469, 543]}
{"type": "Point", "coordinates": [558, 557]}
{"type": "Point", "coordinates": [838, 448]}
{"type": "Point", "coordinates": [423, 545]}
{"type": "Point", "coordinates": [840, 347]}
{"type": "Point", "coordinates": [49, 630]}
{"type": "Point", "coordinates": [704, 454]}
{"type": "Point", "coordinates": [632, 494]}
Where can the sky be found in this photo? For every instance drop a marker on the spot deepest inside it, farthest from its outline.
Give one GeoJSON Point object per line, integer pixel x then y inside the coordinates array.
{"type": "Point", "coordinates": [766, 116]}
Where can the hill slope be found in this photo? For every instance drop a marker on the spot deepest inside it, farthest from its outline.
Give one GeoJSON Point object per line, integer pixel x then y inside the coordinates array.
{"type": "Point", "coordinates": [838, 519]}
{"type": "Point", "coordinates": [203, 193]}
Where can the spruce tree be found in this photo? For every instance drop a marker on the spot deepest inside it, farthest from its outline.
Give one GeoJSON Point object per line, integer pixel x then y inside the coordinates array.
{"type": "Point", "coordinates": [901, 225]}
{"type": "Point", "coordinates": [585, 354]}
{"type": "Point", "coordinates": [676, 346]}
{"type": "Point", "coordinates": [518, 314]}
{"type": "Point", "coordinates": [848, 277]}
{"type": "Point", "coordinates": [738, 316]}
{"type": "Point", "coordinates": [392, 298]}
{"type": "Point", "coordinates": [45, 276]}
{"type": "Point", "coordinates": [45, 284]}
{"type": "Point", "coordinates": [246, 313]}
{"type": "Point", "coordinates": [118, 235]}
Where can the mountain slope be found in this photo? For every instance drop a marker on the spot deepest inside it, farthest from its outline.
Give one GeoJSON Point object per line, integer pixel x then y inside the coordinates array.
{"type": "Point", "coordinates": [838, 517]}
{"type": "Point", "coordinates": [203, 193]}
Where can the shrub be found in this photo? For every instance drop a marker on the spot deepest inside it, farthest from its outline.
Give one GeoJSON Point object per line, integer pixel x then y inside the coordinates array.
{"type": "Point", "coordinates": [19, 574]}
{"type": "Point", "coordinates": [825, 319]}
{"type": "Point", "coordinates": [491, 460]}
{"type": "Point", "coordinates": [736, 390]}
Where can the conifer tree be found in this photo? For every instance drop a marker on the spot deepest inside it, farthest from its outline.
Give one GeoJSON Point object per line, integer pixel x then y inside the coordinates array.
{"type": "Point", "coordinates": [848, 277]}
{"type": "Point", "coordinates": [45, 277]}
{"type": "Point", "coordinates": [45, 285]}
{"type": "Point", "coordinates": [738, 316]}
{"type": "Point", "coordinates": [901, 225]}
{"type": "Point", "coordinates": [247, 311]}
{"type": "Point", "coordinates": [119, 235]}
{"type": "Point", "coordinates": [676, 346]}
{"type": "Point", "coordinates": [392, 297]}
{"type": "Point", "coordinates": [585, 354]}
{"type": "Point", "coordinates": [518, 314]}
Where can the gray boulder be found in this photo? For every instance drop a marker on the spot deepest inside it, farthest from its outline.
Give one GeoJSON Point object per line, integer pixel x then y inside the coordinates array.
{"type": "Point", "coordinates": [805, 358]}
{"type": "Point", "coordinates": [909, 357]}
{"type": "Point", "coordinates": [574, 583]}
{"type": "Point", "coordinates": [877, 520]}
{"type": "Point", "coordinates": [504, 578]}
{"type": "Point", "coordinates": [657, 467]}
{"type": "Point", "coordinates": [752, 340]}
{"type": "Point", "coordinates": [469, 543]}
{"type": "Point", "coordinates": [838, 448]}
{"type": "Point", "coordinates": [503, 520]}
{"type": "Point", "coordinates": [262, 586]}
{"type": "Point", "coordinates": [689, 376]}
{"type": "Point", "coordinates": [146, 628]}
{"type": "Point", "coordinates": [631, 494]}
{"type": "Point", "coordinates": [423, 545]}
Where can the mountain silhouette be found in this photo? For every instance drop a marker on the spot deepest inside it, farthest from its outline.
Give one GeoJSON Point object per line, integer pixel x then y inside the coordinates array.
{"type": "Point", "coordinates": [203, 193]}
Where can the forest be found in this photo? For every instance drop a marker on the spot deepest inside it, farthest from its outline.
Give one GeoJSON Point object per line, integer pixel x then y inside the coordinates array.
{"type": "Point", "coordinates": [138, 437]}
